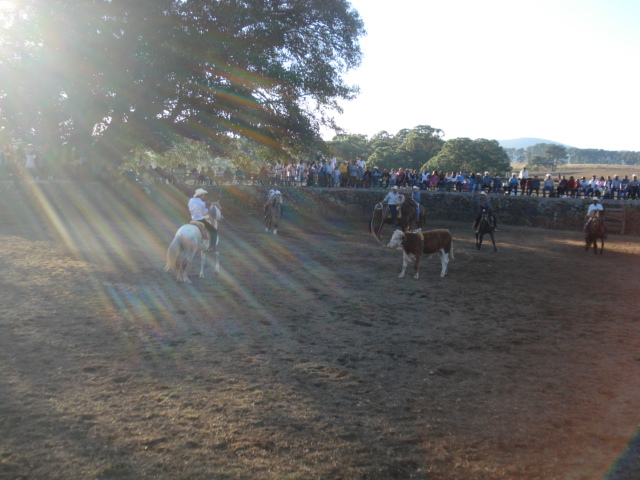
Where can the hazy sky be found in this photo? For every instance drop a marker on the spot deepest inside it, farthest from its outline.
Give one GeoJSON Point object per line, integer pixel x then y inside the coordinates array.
{"type": "Point", "coordinates": [562, 70]}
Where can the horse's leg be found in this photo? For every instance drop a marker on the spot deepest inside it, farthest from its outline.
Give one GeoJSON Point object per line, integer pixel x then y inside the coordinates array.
{"type": "Point", "coordinates": [203, 259]}
{"type": "Point", "coordinates": [479, 240]}
{"type": "Point", "coordinates": [185, 264]}
{"type": "Point", "coordinates": [493, 240]}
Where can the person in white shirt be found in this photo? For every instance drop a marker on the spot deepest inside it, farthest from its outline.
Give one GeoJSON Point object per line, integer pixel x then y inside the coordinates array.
{"type": "Point", "coordinates": [392, 199]}
{"type": "Point", "coordinates": [200, 213]}
{"type": "Point", "coordinates": [523, 177]}
{"type": "Point", "coordinates": [272, 193]}
{"type": "Point", "coordinates": [592, 212]}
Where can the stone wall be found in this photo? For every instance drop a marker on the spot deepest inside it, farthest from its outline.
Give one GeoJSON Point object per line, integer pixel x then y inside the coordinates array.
{"type": "Point", "coordinates": [552, 213]}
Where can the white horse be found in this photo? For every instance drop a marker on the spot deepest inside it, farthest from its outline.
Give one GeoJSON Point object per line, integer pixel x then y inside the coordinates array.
{"type": "Point", "coordinates": [187, 242]}
{"type": "Point", "coordinates": [273, 214]}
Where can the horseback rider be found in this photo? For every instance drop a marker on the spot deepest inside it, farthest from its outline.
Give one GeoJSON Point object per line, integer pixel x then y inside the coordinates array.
{"type": "Point", "coordinates": [200, 213]}
{"type": "Point", "coordinates": [272, 193]}
{"type": "Point", "coordinates": [392, 199]}
{"type": "Point", "coordinates": [484, 204]}
{"type": "Point", "coordinates": [594, 210]}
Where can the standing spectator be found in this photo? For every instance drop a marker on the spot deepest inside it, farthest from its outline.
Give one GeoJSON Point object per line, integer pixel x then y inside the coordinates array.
{"type": "Point", "coordinates": [434, 180]}
{"type": "Point", "coordinates": [459, 181]}
{"type": "Point", "coordinates": [424, 179]}
{"type": "Point", "coordinates": [385, 178]}
{"type": "Point", "coordinates": [400, 178]}
{"type": "Point", "coordinates": [524, 175]}
{"type": "Point", "coordinates": [30, 164]}
{"type": "Point", "coordinates": [376, 177]}
{"type": "Point", "coordinates": [367, 178]}
{"type": "Point", "coordinates": [353, 174]}
{"type": "Point", "coordinates": [634, 188]}
{"type": "Point", "coordinates": [534, 185]}
{"type": "Point", "coordinates": [336, 176]}
{"type": "Point", "coordinates": [392, 177]}
{"type": "Point", "coordinates": [486, 182]}
{"type": "Point", "coordinates": [571, 186]}
{"type": "Point", "coordinates": [548, 185]}
{"type": "Point", "coordinates": [512, 185]}
{"type": "Point", "coordinates": [360, 170]}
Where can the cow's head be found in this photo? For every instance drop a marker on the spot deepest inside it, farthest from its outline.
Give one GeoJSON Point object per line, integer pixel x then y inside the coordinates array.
{"type": "Point", "coordinates": [396, 240]}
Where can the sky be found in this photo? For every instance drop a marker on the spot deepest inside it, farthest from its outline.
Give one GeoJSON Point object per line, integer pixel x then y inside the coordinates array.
{"type": "Point", "coordinates": [561, 70]}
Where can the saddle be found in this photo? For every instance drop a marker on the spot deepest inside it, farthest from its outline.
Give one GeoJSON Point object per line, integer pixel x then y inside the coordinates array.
{"type": "Point", "coordinates": [203, 229]}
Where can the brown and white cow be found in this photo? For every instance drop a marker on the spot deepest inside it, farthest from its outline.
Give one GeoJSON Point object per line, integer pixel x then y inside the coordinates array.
{"type": "Point", "coordinates": [414, 244]}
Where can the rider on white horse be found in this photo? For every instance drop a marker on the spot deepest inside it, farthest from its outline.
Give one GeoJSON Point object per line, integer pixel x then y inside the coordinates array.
{"type": "Point", "coordinates": [200, 213]}
{"type": "Point", "coordinates": [272, 193]}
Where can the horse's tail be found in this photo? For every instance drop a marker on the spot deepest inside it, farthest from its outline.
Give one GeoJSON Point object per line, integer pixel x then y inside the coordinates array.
{"type": "Point", "coordinates": [173, 254]}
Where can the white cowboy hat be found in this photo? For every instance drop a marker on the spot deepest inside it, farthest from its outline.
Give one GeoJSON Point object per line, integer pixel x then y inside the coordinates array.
{"type": "Point", "coordinates": [483, 193]}
{"type": "Point", "coordinates": [200, 191]}
{"type": "Point", "coordinates": [415, 187]}
{"type": "Point", "coordinates": [395, 187]}
{"type": "Point", "coordinates": [595, 199]}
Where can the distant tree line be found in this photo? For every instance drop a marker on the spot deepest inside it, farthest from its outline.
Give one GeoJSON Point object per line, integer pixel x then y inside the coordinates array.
{"type": "Point", "coordinates": [552, 155]}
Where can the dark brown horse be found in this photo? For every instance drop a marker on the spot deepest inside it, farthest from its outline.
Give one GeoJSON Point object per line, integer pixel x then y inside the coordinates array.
{"type": "Point", "coordinates": [485, 226]}
{"type": "Point", "coordinates": [407, 217]}
{"type": "Point", "coordinates": [594, 231]}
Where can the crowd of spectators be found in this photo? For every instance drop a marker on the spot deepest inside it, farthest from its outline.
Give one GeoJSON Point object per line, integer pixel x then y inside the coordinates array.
{"type": "Point", "coordinates": [334, 173]}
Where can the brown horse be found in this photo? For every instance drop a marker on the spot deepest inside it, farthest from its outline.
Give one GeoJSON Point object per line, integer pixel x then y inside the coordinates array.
{"type": "Point", "coordinates": [485, 226]}
{"type": "Point", "coordinates": [406, 217]}
{"type": "Point", "coordinates": [594, 231]}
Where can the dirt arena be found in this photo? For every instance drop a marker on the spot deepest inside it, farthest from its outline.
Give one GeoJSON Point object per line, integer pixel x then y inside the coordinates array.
{"type": "Point", "coordinates": [306, 357]}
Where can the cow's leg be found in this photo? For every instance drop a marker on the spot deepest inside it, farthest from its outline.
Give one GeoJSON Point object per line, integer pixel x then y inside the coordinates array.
{"type": "Point", "coordinates": [217, 268]}
{"type": "Point", "coordinates": [405, 262]}
{"type": "Point", "coordinates": [444, 260]}
{"type": "Point", "coordinates": [416, 263]}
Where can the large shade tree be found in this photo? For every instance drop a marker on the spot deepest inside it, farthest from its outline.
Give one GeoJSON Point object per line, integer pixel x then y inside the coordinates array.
{"type": "Point", "coordinates": [467, 155]}
{"type": "Point", "coordinates": [121, 74]}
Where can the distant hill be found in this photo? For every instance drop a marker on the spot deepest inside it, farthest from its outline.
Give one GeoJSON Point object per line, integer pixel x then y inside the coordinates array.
{"type": "Point", "coordinates": [525, 142]}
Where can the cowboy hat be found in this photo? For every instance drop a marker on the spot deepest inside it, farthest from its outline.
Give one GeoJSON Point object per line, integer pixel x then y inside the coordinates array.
{"type": "Point", "coordinates": [395, 187]}
{"type": "Point", "coordinates": [595, 199]}
{"type": "Point", "coordinates": [200, 191]}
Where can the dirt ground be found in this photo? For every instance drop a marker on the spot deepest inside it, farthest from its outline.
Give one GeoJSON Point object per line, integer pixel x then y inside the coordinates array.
{"type": "Point", "coordinates": [306, 357]}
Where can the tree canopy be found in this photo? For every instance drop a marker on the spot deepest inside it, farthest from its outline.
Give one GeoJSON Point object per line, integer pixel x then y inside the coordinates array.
{"type": "Point", "coordinates": [123, 74]}
{"type": "Point", "coordinates": [466, 155]}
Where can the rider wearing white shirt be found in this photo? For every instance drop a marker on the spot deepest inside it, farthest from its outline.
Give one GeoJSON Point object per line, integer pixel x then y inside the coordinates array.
{"type": "Point", "coordinates": [592, 212]}
{"type": "Point", "coordinates": [200, 213]}
{"type": "Point", "coordinates": [392, 199]}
